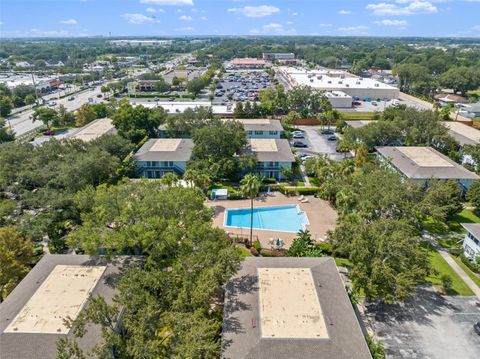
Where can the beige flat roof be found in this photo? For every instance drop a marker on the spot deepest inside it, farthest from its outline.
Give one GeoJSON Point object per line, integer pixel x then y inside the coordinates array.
{"type": "Point", "coordinates": [62, 294]}
{"type": "Point", "coordinates": [424, 157]}
{"type": "Point", "coordinates": [464, 130]}
{"type": "Point", "coordinates": [166, 145]}
{"type": "Point", "coordinates": [289, 305]}
{"type": "Point", "coordinates": [253, 121]}
{"type": "Point", "coordinates": [263, 145]}
{"type": "Point", "coordinates": [95, 130]}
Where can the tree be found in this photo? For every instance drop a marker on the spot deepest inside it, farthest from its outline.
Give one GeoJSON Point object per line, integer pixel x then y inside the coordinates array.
{"type": "Point", "coordinates": [198, 178]}
{"type": "Point", "coordinates": [303, 246]}
{"type": "Point", "coordinates": [16, 259]}
{"type": "Point", "coordinates": [64, 116]}
{"type": "Point", "coordinates": [473, 195]}
{"type": "Point", "coordinates": [195, 86]}
{"type": "Point", "coordinates": [447, 282]}
{"type": "Point", "coordinates": [46, 115]}
{"type": "Point", "coordinates": [6, 134]}
{"type": "Point", "coordinates": [250, 188]}
{"type": "Point", "coordinates": [169, 179]}
{"type": "Point", "coordinates": [442, 200]}
{"type": "Point", "coordinates": [85, 114]}
{"type": "Point", "coordinates": [5, 106]}
{"type": "Point", "coordinates": [361, 156]}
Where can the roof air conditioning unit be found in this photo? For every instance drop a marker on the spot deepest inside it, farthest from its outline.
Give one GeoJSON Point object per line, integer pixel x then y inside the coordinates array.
{"type": "Point", "coordinates": [376, 85]}
{"type": "Point", "coordinates": [340, 82]}
{"type": "Point", "coordinates": [347, 85]}
{"type": "Point", "coordinates": [329, 82]}
{"type": "Point", "coordinates": [342, 76]}
{"type": "Point", "coordinates": [358, 82]}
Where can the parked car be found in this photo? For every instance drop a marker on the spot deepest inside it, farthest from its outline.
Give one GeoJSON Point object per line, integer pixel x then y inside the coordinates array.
{"type": "Point", "coordinates": [298, 135]}
{"type": "Point", "coordinates": [53, 103]}
{"type": "Point", "coordinates": [356, 103]}
{"type": "Point", "coordinates": [327, 131]}
{"type": "Point", "coordinates": [299, 144]}
{"type": "Point", "coordinates": [71, 98]}
{"type": "Point", "coordinates": [332, 138]}
{"type": "Point", "coordinates": [476, 328]}
{"type": "Point", "coordinates": [302, 154]}
{"type": "Point", "coordinates": [374, 103]}
{"type": "Point", "coordinates": [48, 133]}
{"type": "Point", "coordinates": [99, 95]}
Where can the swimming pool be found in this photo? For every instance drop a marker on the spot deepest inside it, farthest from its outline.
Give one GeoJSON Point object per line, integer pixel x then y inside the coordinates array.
{"type": "Point", "coordinates": [276, 218]}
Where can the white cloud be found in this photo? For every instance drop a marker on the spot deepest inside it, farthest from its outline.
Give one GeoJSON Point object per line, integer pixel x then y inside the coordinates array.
{"type": "Point", "coordinates": [139, 19]}
{"type": "Point", "coordinates": [69, 22]}
{"type": "Point", "coordinates": [168, 2]}
{"type": "Point", "coordinates": [186, 18]}
{"type": "Point", "coordinates": [388, 22]}
{"type": "Point", "coordinates": [273, 29]}
{"type": "Point", "coordinates": [414, 7]}
{"type": "Point", "coordinates": [204, 18]}
{"type": "Point", "coordinates": [344, 12]}
{"type": "Point", "coordinates": [289, 22]}
{"type": "Point", "coordinates": [360, 29]}
{"type": "Point", "coordinates": [186, 28]}
{"type": "Point", "coordinates": [154, 10]}
{"type": "Point", "coordinates": [325, 25]}
{"type": "Point", "coordinates": [255, 11]}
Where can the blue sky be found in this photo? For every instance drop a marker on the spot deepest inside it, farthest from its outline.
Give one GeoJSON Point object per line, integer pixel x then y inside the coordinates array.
{"type": "Point", "coordinates": [39, 18]}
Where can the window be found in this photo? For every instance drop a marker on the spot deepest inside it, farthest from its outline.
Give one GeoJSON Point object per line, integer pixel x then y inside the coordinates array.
{"type": "Point", "coordinates": [273, 133]}
{"type": "Point", "coordinates": [149, 164]}
{"type": "Point", "coordinates": [258, 133]}
{"type": "Point", "coordinates": [154, 163]}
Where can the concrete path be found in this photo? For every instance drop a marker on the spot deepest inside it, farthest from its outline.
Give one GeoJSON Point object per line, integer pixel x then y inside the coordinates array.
{"type": "Point", "coordinates": [475, 289]}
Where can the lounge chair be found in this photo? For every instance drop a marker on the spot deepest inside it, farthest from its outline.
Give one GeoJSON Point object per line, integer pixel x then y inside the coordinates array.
{"type": "Point", "coordinates": [305, 200]}
{"type": "Point", "coordinates": [301, 198]}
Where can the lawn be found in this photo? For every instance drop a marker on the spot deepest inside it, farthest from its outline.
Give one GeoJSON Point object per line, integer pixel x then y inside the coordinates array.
{"type": "Point", "coordinates": [352, 116]}
{"type": "Point", "coordinates": [473, 276]}
{"type": "Point", "coordinates": [343, 262]}
{"type": "Point", "coordinates": [453, 225]}
{"type": "Point", "coordinates": [441, 267]}
{"type": "Point", "coordinates": [451, 242]}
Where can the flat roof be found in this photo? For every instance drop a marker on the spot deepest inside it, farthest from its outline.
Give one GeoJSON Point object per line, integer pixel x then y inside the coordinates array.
{"type": "Point", "coordinates": [271, 150]}
{"type": "Point", "coordinates": [259, 124]}
{"type": "Point", "coordinates": [57, 286]}
{"type": "Point", "coordinates": [287, 308]}
{"type": "Point", "coordinates": [424, 163]}
{"type": "Point", "coordinates": [248, 61]}
{"type": "Point", "coordinates": [95, 129]}
{"type": "Point", "coordinates": [359, 123]}
{"type": "Point", "coordinates": [61, 296]}
{"type": "Point", "coordinates": [464, 134]}
{"type": "Point", "coordinates": [165, 149]}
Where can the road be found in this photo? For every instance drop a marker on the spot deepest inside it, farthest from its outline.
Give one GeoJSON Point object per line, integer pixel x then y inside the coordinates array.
{"type": "Point", "coordinates": [22, 123]}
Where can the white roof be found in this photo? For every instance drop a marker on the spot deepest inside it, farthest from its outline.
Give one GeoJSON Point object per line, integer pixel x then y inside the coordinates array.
{"type": "Point", "coordinates": [173, 107]}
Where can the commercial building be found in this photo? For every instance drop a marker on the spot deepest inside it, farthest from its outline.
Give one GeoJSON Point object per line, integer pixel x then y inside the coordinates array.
{"type": "Point", "coordinates": [163, 155]}
{"type": "Point", "coordinates": [141, 42]}
{"type": "Point", "coordinates": [273, 156]}
{"type": "Point", "coordinates": [262, 128]}
{"type": "Point", "coordinates": [337, 80]}
{"type": "Point", "coordinates": [95, 129]}
{"type": "Point", "coordinates": [423, 164]}
{"type": "Point", "coordinates": [287, 308]}
{"type": "Point", "coordinates": [57, 288]}
{"type": "Point", "coordinates": [272, 56]}
{"type": "Point", "coordinates": [339, 99]}
{"type": "Point", "coordinates": [248, 63]}
{"type": "Point", "coordinates": [471, 242]}
{"type": "Point", "coordinates": [464, 134]}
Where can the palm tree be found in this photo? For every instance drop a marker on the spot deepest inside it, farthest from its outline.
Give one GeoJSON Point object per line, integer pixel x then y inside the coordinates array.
{"type": "Point", "coordinates": [250, 187]}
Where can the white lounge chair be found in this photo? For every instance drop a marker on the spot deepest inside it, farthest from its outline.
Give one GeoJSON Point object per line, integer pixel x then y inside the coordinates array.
{"type": "Point", "coordinates": [305, 200]}
{"type": "Point", "coordinates": [301, 198]}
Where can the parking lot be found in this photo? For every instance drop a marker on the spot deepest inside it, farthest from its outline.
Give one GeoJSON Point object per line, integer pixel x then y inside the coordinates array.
{"type": "Point", "coordinates": [430, 326]}
{"type": "Point", "coordinates": [241, 86]}
{"type": "Point", "coordinates": [318, 143]}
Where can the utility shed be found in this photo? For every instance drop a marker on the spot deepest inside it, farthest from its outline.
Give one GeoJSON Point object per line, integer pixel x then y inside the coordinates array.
{"type": "Point", "coordinates": [58, 287]}
{"type": "Point", "coordinates": [285, 308]}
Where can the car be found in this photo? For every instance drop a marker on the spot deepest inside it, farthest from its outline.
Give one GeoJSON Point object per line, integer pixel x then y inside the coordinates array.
{"type": "Point", "coordinates": [298, 135]}
{"type": "Point", "coordinates": [297, 132]}
{"type": "Point", "coordinates": [374, 103]}
{"type": "Point", "coordinates": [156, 99]}
{"type": "Point", "coordinates": [99, 95]}
{"type": "Point", "coordinates": [327, 131]}
{"type": "Point", "coordinates": [53, 103]}
{"type": "Point", "coordinates": [356, 103]}
{"type": "Point", "coordinates": [71, 98]}
{"type": "Point", "coordinates": [332, 138]}
{"type": "Point", "coordinates": [299, 144]}
{"type": "Point", "coordinates": [48, 133]}
{"type": "Point", "coordinates": [302, 154]}
{"type": "Point", "coordinates": [476, 328]}
{"type": "Point", "coordinates": [171, 99]}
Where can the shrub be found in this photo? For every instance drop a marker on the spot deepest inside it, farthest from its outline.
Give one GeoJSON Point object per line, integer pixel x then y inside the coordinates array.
{"type": "Point", "coordinates": [447, 282]}
{"type": "Point", "coordinates": [257, 245]}
{"type": "Point", "coordinates": [254, 252]}
{"type": "Point", "coordinates": [326, 248]}
{"type": "Point", "coordinates": [376, 348]}
{"type": "Point", "coordinates": [271, 253]}
{"type": "Point", "coordinates": [269, 180]}
{"type": "Point", "coordinates": [472, 266]}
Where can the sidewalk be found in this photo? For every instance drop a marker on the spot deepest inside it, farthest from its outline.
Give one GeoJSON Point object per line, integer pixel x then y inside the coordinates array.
{"type": "Point", "coordinates": [475, 289]}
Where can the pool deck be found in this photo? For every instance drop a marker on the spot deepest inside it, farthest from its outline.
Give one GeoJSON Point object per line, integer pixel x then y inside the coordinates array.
{"type": "Point", "coordinates": [321, 217]}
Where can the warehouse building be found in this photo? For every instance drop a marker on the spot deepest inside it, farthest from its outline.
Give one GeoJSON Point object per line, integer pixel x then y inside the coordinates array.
{"type": "Point", "coordinates": [287, 308]}
{"type": "Point", "coordinates": [57, 288]}
{"type": "Point", "coordinates": [336, 80]}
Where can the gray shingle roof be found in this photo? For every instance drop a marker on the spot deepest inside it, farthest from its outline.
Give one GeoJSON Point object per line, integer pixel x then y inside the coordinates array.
{"type": "Point", "coordinates": [282, 154]}
{"type": "Point", "coordinates": [439, 166]}
{"type": "Point", "coordinates": [242, 338]}
{"type": "Point", "coordinates": [43, 346]}
{"type": "Point", "coordinates": [473, 228]}
{"type": "Point", "coordinates": [182, 153]}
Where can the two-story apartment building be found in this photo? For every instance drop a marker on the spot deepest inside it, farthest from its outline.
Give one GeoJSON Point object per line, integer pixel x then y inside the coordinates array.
{"type": "Point", "coordinates": [471, 242]}
{"type": "Point", "coordinates": [273, 156]}
{"type": "Point", "coordinates": [422, 164]}
{"type": "Point", "coordinates": [163, 155]}
{"type": "Point", "coordinates": [262, 128]}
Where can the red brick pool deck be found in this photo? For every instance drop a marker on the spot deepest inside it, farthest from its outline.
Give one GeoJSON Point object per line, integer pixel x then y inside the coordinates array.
{"type": "Point", "coordinates": [321, 217]}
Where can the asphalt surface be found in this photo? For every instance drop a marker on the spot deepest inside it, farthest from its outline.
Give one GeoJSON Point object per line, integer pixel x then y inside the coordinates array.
{"type": "Point", "coordinates": [430, 326]}
{"type": "Point", "coordinates": [318, 143]}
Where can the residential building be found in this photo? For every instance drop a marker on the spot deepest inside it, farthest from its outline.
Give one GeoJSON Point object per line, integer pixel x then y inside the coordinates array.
{"type": "Point", "coordinates": [471, 242]}
{"type": "Point", "coordinates": [287, 308]}
{"type": "Point", "coordinates": [262, 128]}
{"type": "Point", "coordinates": [95, 129]}
{"type": "Point", "coordinates": [423, 164]}
{"type": "Point", "coordinates": [337, 80]}
{"type": "Point", "coordinates": [464, 134]}
{"type": "Point", "coordinates": [273, 156]}
{"type": "Point", "coordinates": [163, 155]}
{"type": "Point", "coordinates": [32, 316]}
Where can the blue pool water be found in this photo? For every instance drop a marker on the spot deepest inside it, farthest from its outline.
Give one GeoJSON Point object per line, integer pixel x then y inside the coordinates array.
{"type": "Point", "coordinates": [277, 218]}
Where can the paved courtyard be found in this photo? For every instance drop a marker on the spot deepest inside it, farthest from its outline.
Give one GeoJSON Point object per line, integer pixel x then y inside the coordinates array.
{"type": "Point", "coordinates": [321, 217]}
{"type": "Point", "coordinates": [430, 326]}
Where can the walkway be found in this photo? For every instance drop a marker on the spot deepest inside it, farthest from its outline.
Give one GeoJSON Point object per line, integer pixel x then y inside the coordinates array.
{"type": "Point", "coordinates": [475, 289]}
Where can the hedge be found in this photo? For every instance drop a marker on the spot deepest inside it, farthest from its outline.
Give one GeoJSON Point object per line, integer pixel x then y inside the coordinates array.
{"type": "Point", "coordinates": [271, 253]}
{"type": "Point", "coordinates": [472, 266]}
{"type": "Point", "coordinates": [292, 191]}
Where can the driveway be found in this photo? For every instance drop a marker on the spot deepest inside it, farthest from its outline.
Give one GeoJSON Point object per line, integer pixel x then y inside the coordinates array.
{"type": "Point", "coordinates": [430, 326]}
{"type": "Point", "coordinates": [319, 144]}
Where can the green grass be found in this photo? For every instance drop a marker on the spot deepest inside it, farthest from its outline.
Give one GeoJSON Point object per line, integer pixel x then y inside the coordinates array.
{"type": "Point", "coordinates": [441, 267]}
{"type": "Point", "coordinates": [436, 227]}
{"type": "Point", "coordinates": [352, 116]}
{"type": "Point", "coordinates": [244, 252]}
{"type": "Point", "coordinates": [450, 243]}
{"type": "Point", "coordinates": [473, 276]}
{"type": "Point", "coordinates": [473, 92]}
{"type": "Point", "coordinates": [343, 262]}
{"type": "Point", "coordinates": [453, 225]}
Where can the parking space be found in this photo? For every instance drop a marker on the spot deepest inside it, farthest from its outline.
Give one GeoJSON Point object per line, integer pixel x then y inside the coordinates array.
{"type": "Point", "coordinates": [429, 326]}
{"type": "Point", "coordinates": [318, 143]}
{"type": "Point", "coordinates": [241, 86]}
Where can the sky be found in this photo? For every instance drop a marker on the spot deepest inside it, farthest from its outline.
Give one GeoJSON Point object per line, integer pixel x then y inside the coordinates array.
{"type": "Point", "coordinates": [116, 18]}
